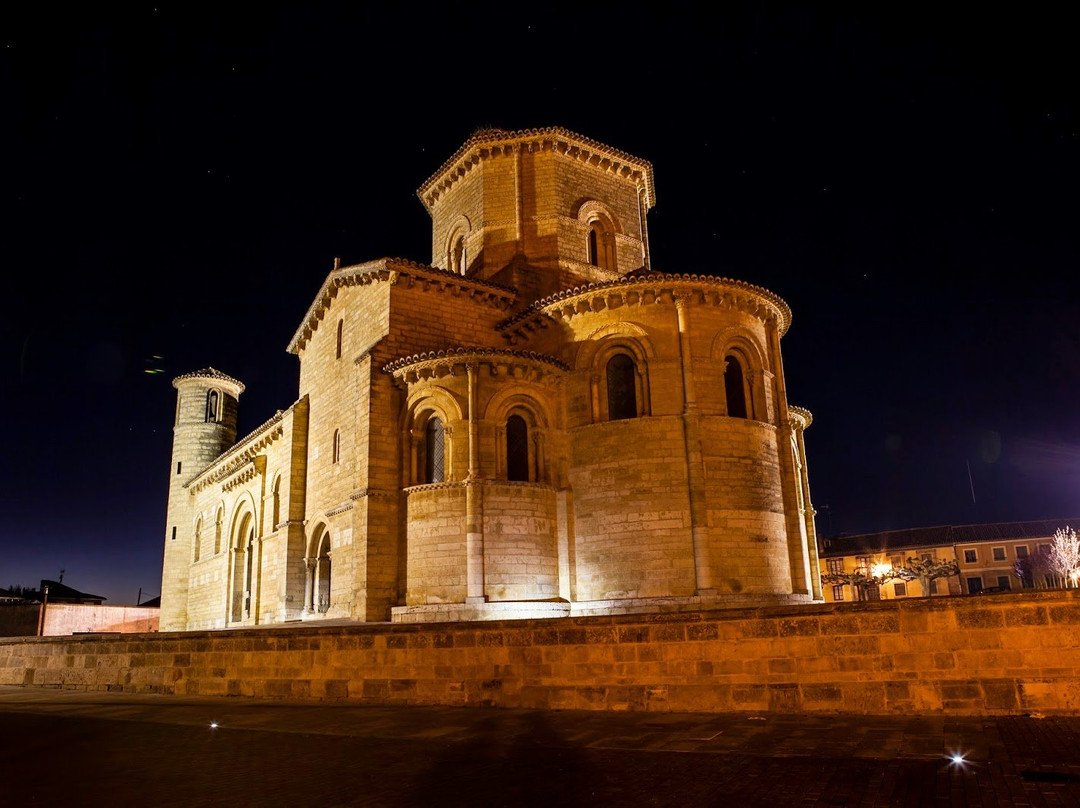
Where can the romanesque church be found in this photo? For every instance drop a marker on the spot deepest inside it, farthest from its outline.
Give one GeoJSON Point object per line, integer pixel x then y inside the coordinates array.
{"type": "Point", "coordinates": [537, 423]}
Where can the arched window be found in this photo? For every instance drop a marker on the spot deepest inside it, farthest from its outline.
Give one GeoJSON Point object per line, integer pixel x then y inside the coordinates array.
{"type": "Point", "coordinates": [276, 510]}
{"type": "Point", "coordinates": [212, 413]}
{"type": "Point", "coordinates": [337, 446]}
{"type": "Point", "coordinates": [434, 465]}
{"type": "Point", "coordinates": [621, 388]}
{"type": "Point", "coordinates": [198, 539]}
{"type": "Point", "coordinates": [734, 387]}
{"type": "Point", "coordinates": [458, 258]}
{"type": "Point", "coordinates": [517, 449]}
{"type": "Point", "coordinates": [340, 329]}
{"type": "Point", "coordinates": [593, 247]}
{"type": "Point", "coordinates": [217, 531]}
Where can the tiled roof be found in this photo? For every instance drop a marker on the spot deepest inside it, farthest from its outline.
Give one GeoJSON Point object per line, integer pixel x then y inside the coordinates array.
{"type": "Point", "coordinates": [62, 592]}
{"type": "Point", "coordinates": [210, 373]}
{"type": "Point", "coordinates": [564, 139]}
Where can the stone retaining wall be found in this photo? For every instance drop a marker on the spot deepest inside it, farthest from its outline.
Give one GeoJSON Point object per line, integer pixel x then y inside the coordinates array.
{"type": "Point", "coordinates": [996, 654]}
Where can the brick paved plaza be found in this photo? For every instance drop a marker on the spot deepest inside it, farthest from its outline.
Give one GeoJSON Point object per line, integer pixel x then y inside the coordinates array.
{"type": "Point", "coordinates": [64, 747]}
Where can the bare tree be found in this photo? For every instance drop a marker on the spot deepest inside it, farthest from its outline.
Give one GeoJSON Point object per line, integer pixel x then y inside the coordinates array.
{"type": "Point", "coordinates": [862, 580]}
{"type": "Point", "coordinates": [1064, 557]}
{"type": "Point", "coordinates": [924, 570]}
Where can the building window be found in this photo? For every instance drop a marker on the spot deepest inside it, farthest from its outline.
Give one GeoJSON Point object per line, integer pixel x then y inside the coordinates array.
{"type": "Point", "coordinates": [896, 562]}
{"type": "Point", "coordinates": [621, 388]}
{"type": "Point", "coordinates": [174, 534]}
{"type": "Point", "coordinates": [933, 586]}
{"type": "Point", "coordinates": [198, 539]}
{"type": "Point", "coordinates": [517, 449]}
{"type": "Point", "coordinates": [217, 531]}
{"type": "Point", "coordinates": [734, 387]}
{"type": "Point", "coordinates": [970, 556]}
{"type": "Point", "coordinates": [900, 590]}
{"type": "Point", "coordinates": [835, 565]}
{"type": "Point", "coordinates": [1021, 551]}
{"type": "Point", "coordinates": [337, 446]}
{"type": "Point", "coordinates": [1044, 549]}
{"type": "Point", "coordinates": [340, 330]}
{"type": "Point", "coordinates": [1004, 582]}
{"type": "Point", "coordinates": [862, 562]}
{"type": "Point", "coordinates": [433, 452]}
{"type": "Point", "coordinates": [212, 403]}
{"type": "Point", "coordinates": [177, 466]}
{"type": "Point", "coordinates": [999, 553]}
{"type": "Point", "coordinates": [838, 592]}
{"type": "Point", "coordinates": [974, 585]}
{"type": "Point", "coordinates": [593, 247]}
{"type": "Point", "coordinates": [459, 262]}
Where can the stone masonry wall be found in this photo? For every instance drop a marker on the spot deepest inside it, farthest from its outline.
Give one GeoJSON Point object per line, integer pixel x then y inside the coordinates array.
{"type": "Point", "coordinates": [631, 510]}
{"type": "Point", "coordinates": [521, 559]}
{"type": "Point", "coordinates": [997, 654]}
{"type": "Point", "coordinates": [436, 545]}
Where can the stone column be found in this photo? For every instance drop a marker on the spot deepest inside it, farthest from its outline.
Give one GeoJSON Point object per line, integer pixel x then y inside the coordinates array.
{"type": "Point", "coordinates": [256, 574]}
{"type": "Point", "coordinates": [500, 452]}
{"type": "Point", "coordinates": [474, 514]}
{"type": "Point", "coordinates": [519, 203]}
{"type": "Point", "coordinates": [802, 576]}
{"type": "Point", "coordinates": [538, 457]}
{"type": "Point", "coordinates": [695, 462]}
{"type": "Point", "coordinates": [309, 585]}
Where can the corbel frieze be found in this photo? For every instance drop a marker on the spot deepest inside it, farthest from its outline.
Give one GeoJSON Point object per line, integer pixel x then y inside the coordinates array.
{"type": "Point", "coordinates": [362, 493]}
{"type": "Point", "coordinates": [649, 289]}
{"type": "Point", "coordinates": [338, 509]}
{"type": "Point", "coordinates": [240, 478]}
{"type": "Point", "coordinates": [523, 365]}
{"type": "Point", "coordinates": [248, 450]}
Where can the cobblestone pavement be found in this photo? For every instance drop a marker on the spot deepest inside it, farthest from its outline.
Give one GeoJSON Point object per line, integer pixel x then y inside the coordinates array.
{"type": "Point", "coordinates": [76, 748]}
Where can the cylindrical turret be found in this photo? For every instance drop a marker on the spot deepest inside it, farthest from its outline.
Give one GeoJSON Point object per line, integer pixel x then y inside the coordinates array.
{"type": "Point", "coordinates": [205, 428]}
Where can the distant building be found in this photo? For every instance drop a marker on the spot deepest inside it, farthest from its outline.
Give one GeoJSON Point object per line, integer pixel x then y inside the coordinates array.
{"type": "Point", "coordinates": [56, 609]}
{"type": "Point", "coordinates": [538, 423]}
{"type": "Point", "coordinates": [62, 593]}
{"type": "Point", "coordinates": [986, 554]}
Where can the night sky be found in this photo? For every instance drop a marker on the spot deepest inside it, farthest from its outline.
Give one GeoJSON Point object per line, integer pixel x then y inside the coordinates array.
{"type": "Point", "coordinates": [178, 178]}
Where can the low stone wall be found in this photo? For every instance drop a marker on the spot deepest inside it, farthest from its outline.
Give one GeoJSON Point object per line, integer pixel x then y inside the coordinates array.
{"type": "Point", "coordinates": [23, 620]}
{"type": "Point", "coordinates": [78, 618]}
{"type": "Point", "coordinates": [995, 654]}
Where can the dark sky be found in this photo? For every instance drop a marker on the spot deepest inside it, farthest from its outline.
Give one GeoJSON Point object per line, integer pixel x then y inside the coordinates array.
{"type": "Point", "coordinates": [178, 178]}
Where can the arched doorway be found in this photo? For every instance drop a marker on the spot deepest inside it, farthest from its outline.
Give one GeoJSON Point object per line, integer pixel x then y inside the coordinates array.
{"type": "Point", "coordinates": [244, 571]}
{"type": "Point", "coordinates": [322, 574]}
{"type": "Point", "coordinates": [318, 570]}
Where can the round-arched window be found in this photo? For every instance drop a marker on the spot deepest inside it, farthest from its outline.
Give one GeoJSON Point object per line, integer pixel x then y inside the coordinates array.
{"type": "Point", "coordinates": [517, 449]}
{"type": "Point", "coordinates": [621, 387]}
{"type": "Point", "coordinates": [434, 461]}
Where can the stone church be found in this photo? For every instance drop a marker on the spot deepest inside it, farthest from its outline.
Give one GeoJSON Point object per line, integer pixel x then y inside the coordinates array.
{"type": "Point", "coordinates": [537, 423]}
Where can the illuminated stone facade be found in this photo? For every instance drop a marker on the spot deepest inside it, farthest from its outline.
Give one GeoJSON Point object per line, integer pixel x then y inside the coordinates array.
{"type": "Point", "coordinates": [535, 424]}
